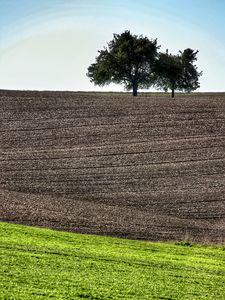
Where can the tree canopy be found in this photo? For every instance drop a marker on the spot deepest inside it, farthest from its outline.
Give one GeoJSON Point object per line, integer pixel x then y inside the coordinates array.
{"type": "Point", "coordinates": [128, 60]}
{"type": "Point", "coordinates": [134, 61]}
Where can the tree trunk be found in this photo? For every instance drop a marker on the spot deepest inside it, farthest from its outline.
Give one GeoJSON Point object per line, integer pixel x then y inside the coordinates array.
{"type": "Point", "coordinates": [135, 88]}
{"type": "Point", "coordinates": [173, 90]}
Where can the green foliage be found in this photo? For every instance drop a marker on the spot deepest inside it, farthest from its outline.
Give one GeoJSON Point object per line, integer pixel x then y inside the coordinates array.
{"type": "Point", "coordinates": [184, 243]}
{"type": "Point", "coordinates": [177, 72]}
{"type": "Point", "coordinates": [127, 60]}
{"type": "Point", "coordinates": [134, 61]}
{"type": "Point", "coordinates": [190, 76]}
{"type": "Point", "coordinates": [43, 264]}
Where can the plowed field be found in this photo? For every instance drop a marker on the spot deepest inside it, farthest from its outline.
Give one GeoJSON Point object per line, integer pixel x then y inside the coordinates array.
{"type": "Point", "coordinates": [145, 167]}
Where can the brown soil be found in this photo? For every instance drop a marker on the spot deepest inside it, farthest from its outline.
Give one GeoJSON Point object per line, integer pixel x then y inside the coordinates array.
{"type": "Point", "coordinates": [145, 168]}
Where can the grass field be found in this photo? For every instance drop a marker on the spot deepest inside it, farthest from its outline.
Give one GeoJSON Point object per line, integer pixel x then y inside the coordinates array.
{"type": "Point", "coordinates": [42, 264]}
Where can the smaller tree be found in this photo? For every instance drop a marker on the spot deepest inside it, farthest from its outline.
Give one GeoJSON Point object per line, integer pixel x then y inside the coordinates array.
{"type": "Point", "coordinates": [177, 72]}
{"type": "Point", "coordinates": [127, 60]}
{"type": "Point", "coordinates": [190, 77]}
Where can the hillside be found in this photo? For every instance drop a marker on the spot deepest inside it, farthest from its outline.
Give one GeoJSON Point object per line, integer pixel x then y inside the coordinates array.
{"type": "Point", "coordinates": [145, 168]}
{"type": "Point", "coordinates": [45, 264]}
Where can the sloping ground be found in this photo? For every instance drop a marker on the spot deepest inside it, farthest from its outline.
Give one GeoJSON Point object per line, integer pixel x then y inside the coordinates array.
{"type": "Point", "coordinates": [46, 264]}
{"type": "Point", "coordinates": [146, 167]}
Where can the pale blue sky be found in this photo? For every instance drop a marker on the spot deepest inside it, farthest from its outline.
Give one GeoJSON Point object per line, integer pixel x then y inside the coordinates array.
{"type": "Point", "coordinates": [48, 44]}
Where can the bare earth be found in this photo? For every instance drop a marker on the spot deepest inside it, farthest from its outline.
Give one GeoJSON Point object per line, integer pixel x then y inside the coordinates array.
{"type": "Point", "coordinates": [145, 168]}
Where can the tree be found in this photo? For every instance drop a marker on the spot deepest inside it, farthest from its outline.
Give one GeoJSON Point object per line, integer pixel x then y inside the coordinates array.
{"type": "Point", "coordinates": [190, 78]}
{"type": "Point", "coordinates": [177, 72]}
{"type": "Point", "coordinates": [128, 60]}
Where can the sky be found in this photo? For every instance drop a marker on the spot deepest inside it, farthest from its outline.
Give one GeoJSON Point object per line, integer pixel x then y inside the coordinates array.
{"type": "Point", "coordinates": [49, 44]}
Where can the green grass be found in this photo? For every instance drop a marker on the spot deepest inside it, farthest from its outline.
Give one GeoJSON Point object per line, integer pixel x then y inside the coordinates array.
{"type": "Point", "coordinates": [45, 264]}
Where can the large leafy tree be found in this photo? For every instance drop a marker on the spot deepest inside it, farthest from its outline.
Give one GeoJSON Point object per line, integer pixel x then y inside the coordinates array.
{"type": "Point", "coordinates": [128, 59]}
{"type": "Point", "coordinates": [177, 72]}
